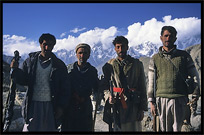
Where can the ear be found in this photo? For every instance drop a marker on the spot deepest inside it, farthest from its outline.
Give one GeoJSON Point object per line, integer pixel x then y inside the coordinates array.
{"type": "Point", "coordinates": [161, 38]}
{"type": "Point", "coordinates": [175, 39]}
{"type": "Point", "coordinates": [115, 47]}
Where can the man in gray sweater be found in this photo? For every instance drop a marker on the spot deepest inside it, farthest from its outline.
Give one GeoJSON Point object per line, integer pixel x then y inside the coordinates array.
{"type": "Point", "coordinates": [48, 92]}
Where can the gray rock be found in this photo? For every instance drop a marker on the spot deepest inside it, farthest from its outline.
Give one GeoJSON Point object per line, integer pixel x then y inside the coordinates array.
{"type": "Point", "coordinates": [196, 122]}
{"type": "Point", "coordinates": [17, 125]}
{"type": "Point", "coordinates": [196, 117]}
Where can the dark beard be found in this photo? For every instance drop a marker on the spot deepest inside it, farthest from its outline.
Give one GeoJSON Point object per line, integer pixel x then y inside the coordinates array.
{"type": "Point", "coordinates": [122, 55]}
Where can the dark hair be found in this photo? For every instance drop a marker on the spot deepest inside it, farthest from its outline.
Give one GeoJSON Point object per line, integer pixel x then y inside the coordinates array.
{"type": "Point", "coordinates": [120, 40]}
{"type": "Point", "coordinates": [48, 38]}
{"type": "Point", "coordinates": [171, 29]}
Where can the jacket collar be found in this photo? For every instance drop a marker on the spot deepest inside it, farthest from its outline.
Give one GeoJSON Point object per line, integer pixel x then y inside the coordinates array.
{"type": "Point", "coordinates": [84, 69]}
{"type": "Point", "coordinates": [169, 54]}
{"type": "Point", "coordinates": [34, 55]}
{"type": "Point", "coordinates": [126, 63]}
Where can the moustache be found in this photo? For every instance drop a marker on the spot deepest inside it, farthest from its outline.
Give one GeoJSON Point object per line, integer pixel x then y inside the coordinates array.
{"type": "Point", "coordinates": [121, 53]}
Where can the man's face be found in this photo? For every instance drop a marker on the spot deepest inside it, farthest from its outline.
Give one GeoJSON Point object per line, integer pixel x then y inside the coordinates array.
{"type": "Point", "coordinates": [121, 50]}
{"type": "Point", "coordinates": [168, 39]}
{"type": "Point", "coordinates": [46, 48]}
{"type": "Point", "coordinates": [82, 55]}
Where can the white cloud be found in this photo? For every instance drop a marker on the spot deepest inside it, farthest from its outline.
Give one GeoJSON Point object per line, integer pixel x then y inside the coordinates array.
{"type": "Point", "coordinates": [150, 31]}
{"type": "Point", "coordinates": [23, 45]}
{"type": "Point", "coordinates": [13, 38]}
{"type": "Point", "coordinates": [66, 43]}
{"type": "Point", "coordinates": [91, 37]}
{"type": "Point", "coordinates": [63, 34]}
{"type": "Point", "coordinates": [137, 33]}
{"type": "Point", "coordinates": [107, 37]}
{"type": "Point", "coordinates": [76, 30]}
{"type": "Point", "coordinates": [187, 27]}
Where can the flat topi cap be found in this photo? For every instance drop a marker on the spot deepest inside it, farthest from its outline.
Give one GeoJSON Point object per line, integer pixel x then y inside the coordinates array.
{"type": "Point", "coordinates": [83, 45]}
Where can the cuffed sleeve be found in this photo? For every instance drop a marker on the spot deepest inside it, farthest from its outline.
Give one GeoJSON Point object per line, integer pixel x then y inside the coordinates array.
{"type": "Point", "coordinates": [150, 93]}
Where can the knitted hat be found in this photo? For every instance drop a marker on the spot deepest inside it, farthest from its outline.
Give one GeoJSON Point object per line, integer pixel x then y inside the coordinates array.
{"type": "Point", "coordinates": [83, 45]}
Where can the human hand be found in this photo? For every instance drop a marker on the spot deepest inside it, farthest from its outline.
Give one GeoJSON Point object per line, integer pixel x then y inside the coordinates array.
{"type": "Point", "coordinates": [112, 100]}
{"type": "Point", "coordinates": [193, 104]}
{"type": "Point", "coordinates": [153, 109]}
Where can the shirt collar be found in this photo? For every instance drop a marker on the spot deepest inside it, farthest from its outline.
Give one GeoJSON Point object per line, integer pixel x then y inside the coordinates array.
{"type": "Point", "coordinates": [123, 62]}
{"type": "Point", "coordinates": [84, 69]}
{"type": "Point", "coordinates": [44, 63]}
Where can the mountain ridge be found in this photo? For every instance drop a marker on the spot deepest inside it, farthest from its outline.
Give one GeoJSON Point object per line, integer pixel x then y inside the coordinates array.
{"type": "Point", "coordinates": [100, 56]}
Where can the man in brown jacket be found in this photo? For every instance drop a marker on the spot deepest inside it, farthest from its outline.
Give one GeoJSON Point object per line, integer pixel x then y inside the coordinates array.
{"type": "Point", "coordinates": [127, 75]}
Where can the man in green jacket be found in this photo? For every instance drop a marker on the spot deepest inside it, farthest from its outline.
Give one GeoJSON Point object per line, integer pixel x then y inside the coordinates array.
{"type": "Point", "coordinates": [127, 75]}
{"type": "Point", "coordinates": [167, 71]}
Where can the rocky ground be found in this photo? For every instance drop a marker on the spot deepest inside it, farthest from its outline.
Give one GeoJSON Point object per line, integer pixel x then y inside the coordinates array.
{"type": "Point", "coordinates": [100, 125]}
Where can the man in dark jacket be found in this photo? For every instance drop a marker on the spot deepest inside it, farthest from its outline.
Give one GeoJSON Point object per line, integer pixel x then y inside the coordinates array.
{"type": "Point", "coordinates": [84, 82]}
{"type": "Point", "coordinates": [48, 87]}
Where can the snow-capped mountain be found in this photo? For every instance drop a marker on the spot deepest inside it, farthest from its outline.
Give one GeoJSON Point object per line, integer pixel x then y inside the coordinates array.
{"type": "Point", "coordinates": [188, 41]}
{"type": "Point", "coordinates": [146, 49]}
{"type": "Point", "coordinates": [100, 56]}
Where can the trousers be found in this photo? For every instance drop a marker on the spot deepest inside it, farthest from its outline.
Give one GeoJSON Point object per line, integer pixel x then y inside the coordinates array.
{"type": "Point", "coordinates": [41, 117]}
{"type": "Point", "coordinates": [171, 113]}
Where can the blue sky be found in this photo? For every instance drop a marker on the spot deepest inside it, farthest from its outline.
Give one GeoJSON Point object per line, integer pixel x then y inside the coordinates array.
{"type": "Point", "coordinates": [70, 22]}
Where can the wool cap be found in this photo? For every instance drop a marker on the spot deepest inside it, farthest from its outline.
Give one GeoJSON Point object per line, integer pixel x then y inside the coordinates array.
{"type": "Point", "coordinates": [83, 45]}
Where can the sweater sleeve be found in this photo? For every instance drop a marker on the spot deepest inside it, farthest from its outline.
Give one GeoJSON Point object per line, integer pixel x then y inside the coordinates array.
{"type": "Point", "coordinates": [192, 72]}
{"type": "Point", "coordinates": [151, 73]}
